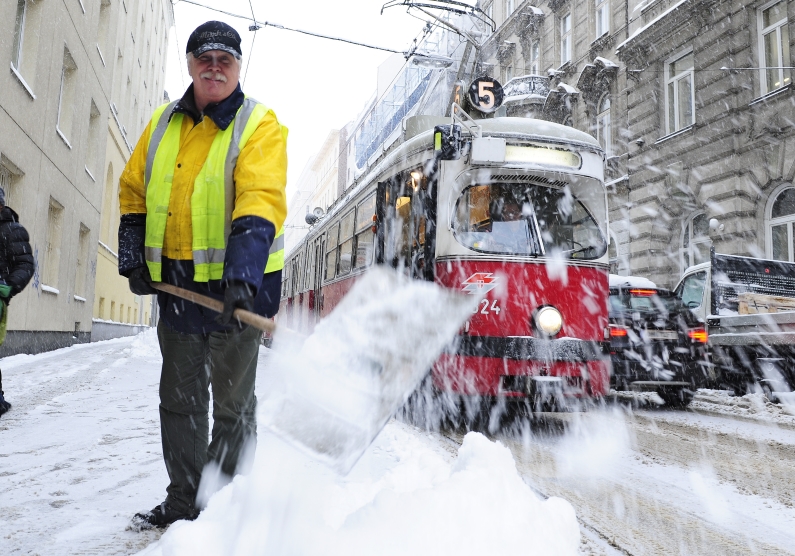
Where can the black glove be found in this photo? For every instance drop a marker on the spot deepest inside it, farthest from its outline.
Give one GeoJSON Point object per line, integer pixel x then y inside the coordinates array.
{"type": "Point", "coordinates": [140, 281]}
{"type": "Point", "coordinates": [237, 295]}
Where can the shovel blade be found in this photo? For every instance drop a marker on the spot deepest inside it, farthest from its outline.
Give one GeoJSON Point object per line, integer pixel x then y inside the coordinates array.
{"type": "Point", "coordinates": [331, 394]}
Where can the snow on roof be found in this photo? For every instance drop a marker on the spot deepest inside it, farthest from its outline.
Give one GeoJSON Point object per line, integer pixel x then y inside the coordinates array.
{"type": "Point", "coordinates": [535, 11]}
{"type": "Point", "coordinates": [649, 24]}
{"type": "Point", "coordinates": [631, 281]}
{"type": "Point", "coordinates": [643, 5]}
{"type": "Point", "coordinates": [564, 88]}
{"type": "Point", "coordinates": [605, 62]}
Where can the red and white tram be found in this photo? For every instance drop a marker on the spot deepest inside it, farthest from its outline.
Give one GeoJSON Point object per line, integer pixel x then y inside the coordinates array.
{"type": "Point", "coordinates": [511, 209]}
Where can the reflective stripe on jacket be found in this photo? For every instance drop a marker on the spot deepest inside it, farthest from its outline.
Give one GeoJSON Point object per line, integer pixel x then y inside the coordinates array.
{"type": "Point", "coordinates": [276, 253]}
{"type": "Point", "coordinates": [213, 199]}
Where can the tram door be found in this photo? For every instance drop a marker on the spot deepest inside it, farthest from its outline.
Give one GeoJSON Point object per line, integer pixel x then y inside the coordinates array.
{"type": "Point", "coordinates": [403, 225]}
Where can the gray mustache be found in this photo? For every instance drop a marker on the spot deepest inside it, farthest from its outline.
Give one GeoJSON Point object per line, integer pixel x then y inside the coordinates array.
{"type": "Point", "coordinates": [215, 76]}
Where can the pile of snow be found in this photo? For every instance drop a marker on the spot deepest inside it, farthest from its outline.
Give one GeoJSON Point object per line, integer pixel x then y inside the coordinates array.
{"type": "Point", "coordinates": [753, 406]}
{"type": "Point", "coordinates": [405, 496]}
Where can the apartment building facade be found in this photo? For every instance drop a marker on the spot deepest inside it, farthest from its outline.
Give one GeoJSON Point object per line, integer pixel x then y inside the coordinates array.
{"type": "Point", "coordinates": [692, 101]}
{"type": "Point", "coordinates": [56, 113]}
{"type": "Point", "coordinates": [139, 52]}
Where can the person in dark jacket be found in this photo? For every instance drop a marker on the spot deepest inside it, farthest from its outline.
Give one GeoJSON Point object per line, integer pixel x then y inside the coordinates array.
{"type": "Point", "coordinates": [16, 269]}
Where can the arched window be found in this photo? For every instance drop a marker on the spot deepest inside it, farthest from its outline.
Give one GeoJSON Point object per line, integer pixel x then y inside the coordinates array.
{"type": "Point", "coordinates": [109, 202]}
{"type": "Point", "coordinates": [780, 224]}
{"type": "Point", "coordinates": [695, 241]}
{"type": "Point", "coordinates": [603, 129]}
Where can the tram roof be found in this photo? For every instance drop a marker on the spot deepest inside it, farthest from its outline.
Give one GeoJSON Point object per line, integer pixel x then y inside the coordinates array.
{"type": "Point", "coordinates": [531, 126]}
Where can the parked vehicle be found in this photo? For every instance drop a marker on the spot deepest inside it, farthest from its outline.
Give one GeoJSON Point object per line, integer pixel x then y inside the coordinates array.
{"type": "Point", "coordinates": [656, 343]}
{"type": "Point", "coordinates": [748, 307]}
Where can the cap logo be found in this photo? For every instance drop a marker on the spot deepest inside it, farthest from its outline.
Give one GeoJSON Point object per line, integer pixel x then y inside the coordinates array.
{"type": "Point", "coordinates": [214, 34]}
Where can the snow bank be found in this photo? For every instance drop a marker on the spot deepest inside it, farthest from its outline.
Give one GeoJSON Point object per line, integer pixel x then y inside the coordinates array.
{"type": "Point", "coordinates": [406, 496]}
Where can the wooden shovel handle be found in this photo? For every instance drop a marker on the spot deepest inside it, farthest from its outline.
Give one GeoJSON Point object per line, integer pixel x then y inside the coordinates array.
{"type": "Point", "coordinates": [253, 319]}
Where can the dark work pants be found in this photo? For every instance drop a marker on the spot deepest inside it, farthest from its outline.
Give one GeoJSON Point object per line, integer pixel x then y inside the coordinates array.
{"type": "Point", "coordinates": [191, 363]}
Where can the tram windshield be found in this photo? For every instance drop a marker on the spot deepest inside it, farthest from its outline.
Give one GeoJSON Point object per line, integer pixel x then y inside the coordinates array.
{"type": "Point", "coordinates": [527, 219]}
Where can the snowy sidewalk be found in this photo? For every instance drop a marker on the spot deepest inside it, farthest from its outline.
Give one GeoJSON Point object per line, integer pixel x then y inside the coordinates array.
{"type": "Point", "coordinates": [80, 454]}
{"type": "Point", "coordinates": [80, 449]}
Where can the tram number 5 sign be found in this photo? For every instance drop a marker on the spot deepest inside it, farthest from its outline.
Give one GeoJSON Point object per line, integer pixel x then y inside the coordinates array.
{"type": "Point", "coordinates": [485, 94]}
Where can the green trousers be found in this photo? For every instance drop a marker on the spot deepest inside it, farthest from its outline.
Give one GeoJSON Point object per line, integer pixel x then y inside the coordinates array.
{"type": "Point", "coordinates": [192, 363]}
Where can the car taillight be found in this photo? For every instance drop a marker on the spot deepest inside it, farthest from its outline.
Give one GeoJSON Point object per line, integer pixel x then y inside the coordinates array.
{"type": "Point", "coordinates": [617, 332]}
{"type": "Point", "coordinates": [698, 335]}
{"type": "Point", "coordinates": [643, 293]}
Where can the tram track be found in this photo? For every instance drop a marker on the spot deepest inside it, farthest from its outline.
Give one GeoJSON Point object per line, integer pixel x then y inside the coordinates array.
{"type": "Point", "coordinates": [662, 493]}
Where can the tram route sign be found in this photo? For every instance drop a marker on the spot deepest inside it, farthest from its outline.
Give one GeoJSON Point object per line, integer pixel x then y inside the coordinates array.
{"type": "Point", "coordinates": [486, 94]}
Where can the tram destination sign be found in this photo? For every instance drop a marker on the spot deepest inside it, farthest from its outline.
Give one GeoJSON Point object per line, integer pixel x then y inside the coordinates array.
{"type": "Point", "coordinates": [486, 94]}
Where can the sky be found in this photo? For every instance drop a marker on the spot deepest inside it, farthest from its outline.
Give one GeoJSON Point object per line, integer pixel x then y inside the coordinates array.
{"type": "Point", "coordinates": [313, 85]}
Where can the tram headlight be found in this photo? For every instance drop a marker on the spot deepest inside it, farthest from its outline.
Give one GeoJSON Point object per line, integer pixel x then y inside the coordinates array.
{"type": "Point", "coordinates": [549, 321]}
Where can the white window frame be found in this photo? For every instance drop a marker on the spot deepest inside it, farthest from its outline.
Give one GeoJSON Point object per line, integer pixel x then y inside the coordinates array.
{"type": "Point", "coordinates": [565, 38]}
{"type": "Point", "coordinates": [508, 72]}
{"type": "Point", "coordinates": [687, 233]}
{"type": "Point", "coordinates": [603, 124]}
{"type": "Point", "coordinates": [510, 6]}
{"type": "Point", "coordinates": [19, 35]}
{"type": "Point", "coordinates": [770, 222]}
{"type": "Point", "coordinates": [535, 57]}
{"type": "Point", "coordinates": [602, 17]}
{"type": "Point", "coordinates": [674, 102]}
{"type": "Point", "coordinates": [783, 59]}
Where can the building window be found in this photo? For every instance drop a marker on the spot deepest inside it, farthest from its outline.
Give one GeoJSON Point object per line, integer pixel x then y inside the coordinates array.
{"type": "Point", "coordinates": [612, 255]}
{"type": "Point", "coordinates": [94, 127]}
{"type": "Point", "coordinates": [773, 47]}
{"type": "Point", "coordinates": [695, 241]}
{"type": "Point", "coordinates": [490, 11]}
{"type": "Point", "coordinates": [110, 205]}
{"type": "Point", "coordinates": [52, 255]}
{"type": "Point", "coordinates": [66, 97]}
{"type": "Point", "coordinates": [81, 268]}
{"type": "Point", "coordinates": [101, 309]}
{"type": "Point", "coordinates": [535, 58]}
{"type": "Point", "coordinates": [602, 17]}
{"type": "Point", "coordinates": [603, 128]}
{"type": "Point", "coordinates": [780, 226]}
{"type": "Point", "coordinates": [680, 97]}
{"type": "Point", "coordinates": [565, 39]}
{"type": "Point", "coordinates": [26, 42]}
{"type": "Point", "coordinates": [510, 5]}
{"type": "Point", "coordinates": [9, 177]}
{"type": "Point", "coordinates": [508, 73]}
{"type": "Point", "coordinates": [113, 310]}
{"type": "Point", "coordinates": [102, 30]}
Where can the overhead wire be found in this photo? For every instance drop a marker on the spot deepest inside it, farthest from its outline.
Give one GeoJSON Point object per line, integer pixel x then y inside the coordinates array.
{"type": "Point", "coordinates": [285, 28]}
{"type": "Point", "coordinates": [256, 28]}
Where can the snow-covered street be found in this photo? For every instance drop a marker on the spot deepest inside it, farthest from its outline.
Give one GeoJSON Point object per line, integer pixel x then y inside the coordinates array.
{"type": "Point", "coordinates": [80, 454]}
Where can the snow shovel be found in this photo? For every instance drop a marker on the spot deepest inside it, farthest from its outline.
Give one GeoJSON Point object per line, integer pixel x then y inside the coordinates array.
{"type": "Point", "coordinates": [331, 393]}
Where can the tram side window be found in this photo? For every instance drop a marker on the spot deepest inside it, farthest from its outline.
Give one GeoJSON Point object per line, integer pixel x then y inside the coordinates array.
{"type": "Point", "coordinates": [310, 269]}
{"type": "Point", "coordinates": [402, 230]}
{"type": "Point", "coordinates": [331, 252]}
{"type": "Point", "coordinates": [285, 280]}
{"type": "Point", "coordinates": [364, 233]}
{"type": "Point", "coordinates": [346, 245]}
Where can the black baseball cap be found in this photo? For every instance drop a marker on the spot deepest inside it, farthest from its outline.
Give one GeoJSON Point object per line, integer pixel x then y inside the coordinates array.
{"type": "Point", "coordinates": [214, 35]}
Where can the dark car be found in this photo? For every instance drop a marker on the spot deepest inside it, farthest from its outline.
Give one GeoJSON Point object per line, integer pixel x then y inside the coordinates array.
{"type": "Point", "coordinates": [656, 343]}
